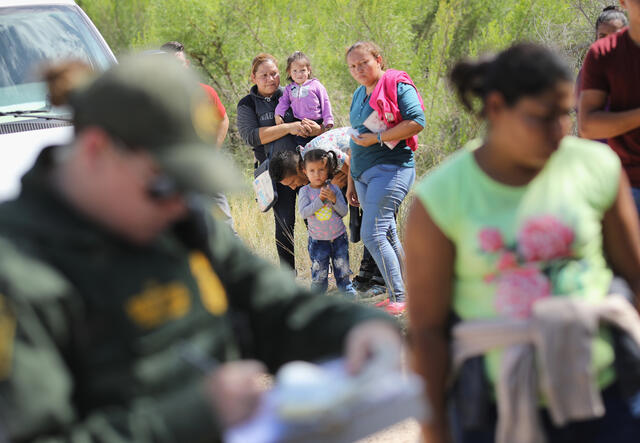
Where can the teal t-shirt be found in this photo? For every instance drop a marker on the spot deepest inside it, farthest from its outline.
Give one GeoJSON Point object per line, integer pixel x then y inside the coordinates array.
{"type": "Point", "coordinates": [362, 158]}
{"type": "Point", "coordinates": [515, 245]}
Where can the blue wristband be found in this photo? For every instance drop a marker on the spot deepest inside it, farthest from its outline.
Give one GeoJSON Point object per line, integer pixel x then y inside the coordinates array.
{"type": "Point", "coordinates": [380, 137]}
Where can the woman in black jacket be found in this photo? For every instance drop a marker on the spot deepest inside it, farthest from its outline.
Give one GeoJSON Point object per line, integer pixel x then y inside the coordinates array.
{"type": "Point", "coordinates": [256, 124]}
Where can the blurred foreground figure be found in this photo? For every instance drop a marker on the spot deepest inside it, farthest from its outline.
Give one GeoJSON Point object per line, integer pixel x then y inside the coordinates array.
{"type": "Point", "coordinates": [120, 300]}
{"type": "Point", "coordinates": [515, 240]}
{"type": "Point", "coordinates": [221, 125]}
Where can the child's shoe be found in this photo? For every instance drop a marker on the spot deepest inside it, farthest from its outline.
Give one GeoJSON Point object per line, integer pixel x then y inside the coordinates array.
{"type": "Point", "coordinates": [395, 308]}
{"type": "Point", "coordinates": [383, 304]}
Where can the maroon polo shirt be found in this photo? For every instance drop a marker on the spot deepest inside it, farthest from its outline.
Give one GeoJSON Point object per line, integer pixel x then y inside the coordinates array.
{"type": "Point", "coordinates": [613, 65]}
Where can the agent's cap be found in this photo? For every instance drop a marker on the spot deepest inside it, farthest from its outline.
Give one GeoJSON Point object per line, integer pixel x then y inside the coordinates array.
{"type": "Point", "coordinates": [151, 102]}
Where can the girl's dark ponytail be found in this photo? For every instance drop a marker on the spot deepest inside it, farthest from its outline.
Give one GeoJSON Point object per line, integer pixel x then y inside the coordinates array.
{"type": "Point", "coordinates": [332, 163]}
{"type": "Point", "coordinates": [524, 69]}
{"type": "Point", "coordinates": [469, 78]}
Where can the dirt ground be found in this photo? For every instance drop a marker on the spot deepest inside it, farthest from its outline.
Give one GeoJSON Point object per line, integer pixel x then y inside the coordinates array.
{"type": "Point", "coordinates": [407, 431]}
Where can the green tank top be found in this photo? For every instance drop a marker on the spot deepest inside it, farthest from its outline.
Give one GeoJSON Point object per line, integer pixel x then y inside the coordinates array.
{"type": "Point", "coordinates": [515, 245]}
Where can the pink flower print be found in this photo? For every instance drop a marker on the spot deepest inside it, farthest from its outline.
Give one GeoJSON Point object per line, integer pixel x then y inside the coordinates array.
{"type": "Point", "coordinates": [544, 238]}
{"type": "Point", "coordinates": [490, 240]}
{"type": "Point", "coordinates": [518, 289]}
{"type": "Point", "coordinates": [506, 261]}
{"type": "Point", "coordinates": [489, 278]}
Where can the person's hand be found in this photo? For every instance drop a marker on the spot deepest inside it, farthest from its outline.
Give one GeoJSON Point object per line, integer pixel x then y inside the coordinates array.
{"type": "Point", "coordinates": [235, 391]}
{"type": "Point", "coordinates": [311, 128]}
{"type": "Point", "coordinates": [365, 139]}
{"type": "Point", "coordinates": [352, 196]}
{"type": "Point", "coordinates": [295, 128]}
{"type": "Point", "coordinates": [327, 194]}
{"type": "Point", "coordinates": [371, 338]}
{"type": "Point", "coordinates": [279, 120]}
{"type": "Point", "coordinates": [340, 179]}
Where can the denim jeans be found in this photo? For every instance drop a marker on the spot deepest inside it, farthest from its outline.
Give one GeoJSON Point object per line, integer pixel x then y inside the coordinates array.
{"type": "Point", "coordinates": [381, 189]}
{"type": "Point", "coordinates": [635, 192]}
{"type": "Point", "coordinates": [617, 425]}
{"type": "Point", "coordinates": [336, 250]}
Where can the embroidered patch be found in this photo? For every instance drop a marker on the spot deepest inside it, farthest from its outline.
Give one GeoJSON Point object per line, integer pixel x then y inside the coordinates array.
{"type": "Point", "coordinates": [7, 336]}
{"type": "Point", "coordinates": [324, 213]}
{"type": "Point", "coordinates": [212, 292]}
{"type": "Point", "coordinates": [159, 304]}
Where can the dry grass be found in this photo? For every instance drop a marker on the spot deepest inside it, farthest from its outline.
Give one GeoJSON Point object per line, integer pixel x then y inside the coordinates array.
{"type": "Point", "coordinates": [257, 230]}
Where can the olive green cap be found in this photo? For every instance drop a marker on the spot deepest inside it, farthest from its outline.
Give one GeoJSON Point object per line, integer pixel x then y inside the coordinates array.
{"type": "Point", "coordinates": [154, 103]}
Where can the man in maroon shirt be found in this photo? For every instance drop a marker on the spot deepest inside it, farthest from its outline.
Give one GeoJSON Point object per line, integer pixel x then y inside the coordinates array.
{"type": "Point", "coordinates": [611, 71]}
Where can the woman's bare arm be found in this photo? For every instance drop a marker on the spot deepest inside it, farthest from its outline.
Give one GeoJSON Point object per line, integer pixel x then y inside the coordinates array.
{"type": "Point", "coordinates": [595, 123]}
{"type": "Point", "coordinates": [271, 133]}
{"type": "Point", "coordinates": [621, 232]}
{"type": "Point", "coordinates": [429, 268]}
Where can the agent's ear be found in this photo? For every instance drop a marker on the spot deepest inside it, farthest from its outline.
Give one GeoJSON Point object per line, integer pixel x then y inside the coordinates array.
{"type": "Point", "coordinates": [93, 143]}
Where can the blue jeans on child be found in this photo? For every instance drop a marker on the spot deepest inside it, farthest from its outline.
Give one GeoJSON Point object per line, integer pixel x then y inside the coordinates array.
{"type": "Point", "coordinates": [336, 250]}
{"type": "Point", "coordinates": [381, 189]}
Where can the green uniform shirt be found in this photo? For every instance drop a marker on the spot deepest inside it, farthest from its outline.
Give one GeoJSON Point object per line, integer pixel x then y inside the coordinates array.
{"type": "Point", "coordinates": [95, 332]}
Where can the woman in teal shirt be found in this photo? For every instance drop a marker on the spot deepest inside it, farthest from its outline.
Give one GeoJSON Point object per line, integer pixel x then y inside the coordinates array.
{"type": "Point", "coordinates": [381, 176]}
{"type": "Point", "coordinates": [522, 214]}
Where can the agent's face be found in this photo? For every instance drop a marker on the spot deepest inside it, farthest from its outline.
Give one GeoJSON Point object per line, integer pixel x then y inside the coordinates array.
{"type": "Point", "coordinates": [267, 78]}
{"type": "Point", "coordinates": [316, 172]}
{"type": "Point", "coordinates": [608, 28]}
{"type": "Point", "coordinates": [364, 67]}
{"type": "Point", "coordinates": [122, 181]}
{"type": "Point", "coordinates": [299, 72]}
{"type": "Point", "coordinates": [531, 130]}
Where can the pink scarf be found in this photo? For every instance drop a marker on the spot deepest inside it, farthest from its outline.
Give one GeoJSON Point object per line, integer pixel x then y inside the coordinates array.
{"type": "Point", "coordinates": [384, 100]}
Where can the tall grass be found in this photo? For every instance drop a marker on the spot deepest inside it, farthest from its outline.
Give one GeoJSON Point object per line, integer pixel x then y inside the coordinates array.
{"type": "Point", "coordinates": [257, 230]}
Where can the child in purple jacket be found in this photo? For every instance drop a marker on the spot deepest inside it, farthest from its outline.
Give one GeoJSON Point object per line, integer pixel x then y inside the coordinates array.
{"type": "Point", "coordinates": [305, 95]}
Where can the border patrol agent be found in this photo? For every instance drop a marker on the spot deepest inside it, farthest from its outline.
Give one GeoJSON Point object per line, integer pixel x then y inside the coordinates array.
{"type": "Point", "coordinates": [117, 294]}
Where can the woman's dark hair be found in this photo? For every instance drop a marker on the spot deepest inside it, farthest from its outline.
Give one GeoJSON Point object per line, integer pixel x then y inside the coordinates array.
{"type": "Point", "coordinates": [369, 47]}
{"type": "Point", "coordinates": [173, 47]}
{"type": "Point", "coordinates": [315, 155]}
{"type": "Point", "coordinates": [525, 69]}
{"type": "Point", "coordinates": [611, 14]}
{"type": "Point", "coordinates": [260, 59]}
{"type": "Point", "coordinates": [298, 57]}
{"type": "Point", "coordinates": [283, 164]}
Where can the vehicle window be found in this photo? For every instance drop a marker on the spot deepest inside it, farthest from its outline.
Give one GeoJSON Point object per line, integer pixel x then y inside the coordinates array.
{"type": "Point", "coordinates": [32, 36]}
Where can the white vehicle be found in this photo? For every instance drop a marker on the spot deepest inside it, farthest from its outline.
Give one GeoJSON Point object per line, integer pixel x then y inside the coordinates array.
{"type": "Point", "coordinates": [33, 33]}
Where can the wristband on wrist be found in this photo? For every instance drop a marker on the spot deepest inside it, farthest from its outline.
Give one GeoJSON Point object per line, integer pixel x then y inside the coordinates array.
{"type": "Point", "coordinates": [380, 137]}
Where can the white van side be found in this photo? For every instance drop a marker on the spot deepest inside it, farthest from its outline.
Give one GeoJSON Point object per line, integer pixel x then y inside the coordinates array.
{"type": "Point", "coordinates": [33, 33]}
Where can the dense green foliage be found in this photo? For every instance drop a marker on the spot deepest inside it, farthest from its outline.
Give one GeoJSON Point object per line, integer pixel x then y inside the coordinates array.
{"type": "Point", "coordinates": [423, 38]}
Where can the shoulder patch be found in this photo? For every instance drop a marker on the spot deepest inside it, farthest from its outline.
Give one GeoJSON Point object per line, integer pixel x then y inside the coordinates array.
{"type": "Point", "coordinates": [7, 336]}
{"type": "Point", "coordinates": [212, 292]}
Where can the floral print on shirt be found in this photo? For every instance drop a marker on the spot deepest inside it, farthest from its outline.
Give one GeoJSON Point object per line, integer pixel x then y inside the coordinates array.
{"type": "Point", "coordinates": [523, 270]}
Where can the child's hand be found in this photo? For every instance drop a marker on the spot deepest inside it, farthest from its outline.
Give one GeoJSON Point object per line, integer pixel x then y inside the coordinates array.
{"type": "Point", "coordinates": [279, 120]}
{"type": "Point", "coordinates": [328, 194]}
